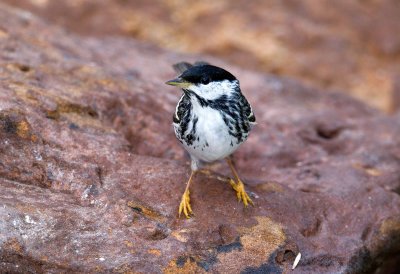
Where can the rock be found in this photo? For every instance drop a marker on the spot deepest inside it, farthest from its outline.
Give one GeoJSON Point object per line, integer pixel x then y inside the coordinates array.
{"type": "Point", "coordinates": [349, 46]}
{"type": "Point", "coordinates": [91, 173]}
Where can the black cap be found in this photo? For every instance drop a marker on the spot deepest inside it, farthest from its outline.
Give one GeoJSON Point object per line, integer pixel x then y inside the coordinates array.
{"type": "Point", "coordinates": [205, 74]}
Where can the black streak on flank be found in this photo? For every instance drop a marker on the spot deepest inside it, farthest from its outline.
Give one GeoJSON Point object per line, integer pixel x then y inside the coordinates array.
{"type": "Point", "coordinates": [236, 120]}
{"type": "Point", "coordinates": [195, 120]}
{"type": "Point", "coordinates": [191, 137]}
{"type": "Point", "coordinates": [183, 115]}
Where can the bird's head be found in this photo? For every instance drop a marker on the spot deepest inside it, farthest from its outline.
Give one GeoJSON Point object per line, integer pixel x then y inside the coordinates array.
{"type": "Point", "coordinates": [207, 81]}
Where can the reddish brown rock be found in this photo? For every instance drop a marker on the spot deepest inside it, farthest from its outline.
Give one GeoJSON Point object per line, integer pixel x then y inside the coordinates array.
{"type": "Point", "coordinates": [352, 46]}
{"type": "Point", "coordinates": [91, 173]}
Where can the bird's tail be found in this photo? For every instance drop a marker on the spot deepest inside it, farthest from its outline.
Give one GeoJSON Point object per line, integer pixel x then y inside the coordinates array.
{"type": "Point", "coordinates": [183, 66]}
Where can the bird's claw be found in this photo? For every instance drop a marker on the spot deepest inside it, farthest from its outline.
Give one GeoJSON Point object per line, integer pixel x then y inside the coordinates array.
{"type": "Point", "coordinates": [241, 192]}
{"type": "Point", "coordinates": [184, 206]}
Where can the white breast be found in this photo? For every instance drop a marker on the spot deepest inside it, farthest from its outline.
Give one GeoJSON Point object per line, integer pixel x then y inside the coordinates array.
{"type": "Point", "coordinates": [214, 141]}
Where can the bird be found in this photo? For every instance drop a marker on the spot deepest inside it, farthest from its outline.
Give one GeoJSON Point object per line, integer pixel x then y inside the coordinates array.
{"type": "Point", "coordinates": [211, 120]}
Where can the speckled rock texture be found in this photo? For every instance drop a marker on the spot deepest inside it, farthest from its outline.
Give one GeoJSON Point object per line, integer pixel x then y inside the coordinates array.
{"type": "Point", "coordinates": [91, 173]}
{"type": "Point", "coordinates": [352, 46]}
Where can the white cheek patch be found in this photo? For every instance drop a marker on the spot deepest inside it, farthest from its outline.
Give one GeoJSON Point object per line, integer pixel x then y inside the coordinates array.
{"type": "Point", "coordinates": [215, 90]}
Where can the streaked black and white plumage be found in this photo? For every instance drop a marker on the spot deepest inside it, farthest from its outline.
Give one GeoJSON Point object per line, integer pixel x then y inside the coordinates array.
{"type": "Point", "coordinates": [212, 118]}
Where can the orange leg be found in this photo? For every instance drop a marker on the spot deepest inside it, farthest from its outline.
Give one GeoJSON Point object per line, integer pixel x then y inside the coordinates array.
{"type": "Point", "coordinates": [238, 186]}
{"type": "Point", "coordinates": [184, 206]}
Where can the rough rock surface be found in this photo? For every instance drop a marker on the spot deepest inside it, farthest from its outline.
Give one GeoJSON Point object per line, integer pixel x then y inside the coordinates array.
{"type": "Point", "coordinates": [91, 173]}
{"type": "Point", "coordinates": [352, 46]}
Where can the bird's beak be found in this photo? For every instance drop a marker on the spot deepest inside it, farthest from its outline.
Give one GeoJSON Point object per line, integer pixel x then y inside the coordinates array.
{"type": "Point", "coordinates": [179, 82]}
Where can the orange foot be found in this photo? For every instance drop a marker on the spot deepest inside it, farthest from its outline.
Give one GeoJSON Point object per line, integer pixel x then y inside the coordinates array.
{"type": "Point", "coordinates": [184, 206]}
{"type": "Point", "coordinates": [241, 192]}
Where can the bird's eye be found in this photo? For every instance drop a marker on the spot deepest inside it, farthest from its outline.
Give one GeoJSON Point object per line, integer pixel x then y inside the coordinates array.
{"type": "Point", "coordinates": [205, 80]}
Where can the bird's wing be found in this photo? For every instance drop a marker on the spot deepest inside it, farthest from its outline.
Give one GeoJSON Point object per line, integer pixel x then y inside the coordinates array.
{"type": "Point", "coordinates": [248, 111]}
{"type": "Point", "coordinates": [182, 109]}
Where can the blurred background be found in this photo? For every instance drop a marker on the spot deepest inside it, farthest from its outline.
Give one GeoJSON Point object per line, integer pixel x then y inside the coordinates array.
{"type": "Point", "coordinates": [350, 46]}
